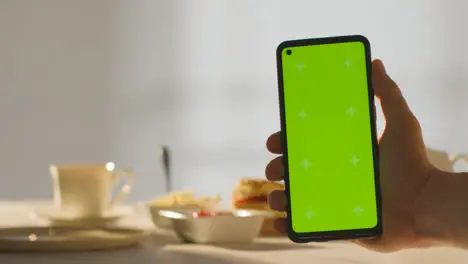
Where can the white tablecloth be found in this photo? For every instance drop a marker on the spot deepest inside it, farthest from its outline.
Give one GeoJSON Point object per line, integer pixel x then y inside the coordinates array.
{"type": "Point", "coordinates": [166, 248]}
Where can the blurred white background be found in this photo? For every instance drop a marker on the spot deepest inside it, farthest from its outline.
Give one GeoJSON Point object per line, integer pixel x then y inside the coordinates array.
{"type": "Point", "coordinates": [99, 80]}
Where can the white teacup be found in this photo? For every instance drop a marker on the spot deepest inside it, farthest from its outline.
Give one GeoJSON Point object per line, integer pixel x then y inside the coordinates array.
{"type": "Point", "coordinates": [445, 162]}
{"type": "Point", "coordinates": [85, 190]}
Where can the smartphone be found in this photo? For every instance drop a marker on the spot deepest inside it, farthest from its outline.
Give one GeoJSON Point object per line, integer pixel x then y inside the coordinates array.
{"type": "Point", "coordinates": [329, 139]}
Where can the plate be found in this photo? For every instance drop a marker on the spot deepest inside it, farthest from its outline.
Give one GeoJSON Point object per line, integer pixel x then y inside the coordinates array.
{"type": "Point", "coordinates": [60, 218]}
{"type": "Point", "coordinates": [60, 239]}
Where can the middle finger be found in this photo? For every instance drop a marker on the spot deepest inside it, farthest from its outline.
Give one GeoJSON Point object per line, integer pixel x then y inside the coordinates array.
{"type": "Point", "coordinates": [277, 201]}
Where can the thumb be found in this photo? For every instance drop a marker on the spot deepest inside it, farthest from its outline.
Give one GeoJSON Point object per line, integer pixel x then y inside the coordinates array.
{"type": "Point", "coordinates": [394, 105]}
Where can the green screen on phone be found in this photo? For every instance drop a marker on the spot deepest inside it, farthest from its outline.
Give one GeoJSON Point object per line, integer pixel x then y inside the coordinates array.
{"type": "Point", "coordinates": [329, 138]}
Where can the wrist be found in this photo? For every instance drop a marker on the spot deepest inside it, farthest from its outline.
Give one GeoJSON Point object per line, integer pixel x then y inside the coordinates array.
{"type": "Point", "coordinates": [441, 216]}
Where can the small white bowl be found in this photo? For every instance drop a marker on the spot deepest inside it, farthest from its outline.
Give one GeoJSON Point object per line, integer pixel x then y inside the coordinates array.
{"type": "Point", "coordinates": [237, 227]}
{"type": "Point", "coordinates": [158, 220]}
{"type": "Point", "coordinates": [162, 221]}
{"type": "Point", "coordinates": [266, 214]}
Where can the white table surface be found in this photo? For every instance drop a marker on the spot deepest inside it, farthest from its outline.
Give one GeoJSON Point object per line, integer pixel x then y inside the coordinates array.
{"type": "Point", "coordinates": [166, 248]}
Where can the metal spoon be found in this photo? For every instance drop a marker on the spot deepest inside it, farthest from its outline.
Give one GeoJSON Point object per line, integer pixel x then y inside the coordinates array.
{"type": "Point", "coordinates": [166, 164]}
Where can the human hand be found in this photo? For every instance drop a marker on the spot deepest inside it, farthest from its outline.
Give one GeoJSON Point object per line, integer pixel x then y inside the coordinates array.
{"type": "Point", "coordinates": [404, 169]}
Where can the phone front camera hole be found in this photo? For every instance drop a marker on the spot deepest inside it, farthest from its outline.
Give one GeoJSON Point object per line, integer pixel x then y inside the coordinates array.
{"type": "Point", "coordinates": [289, 52]}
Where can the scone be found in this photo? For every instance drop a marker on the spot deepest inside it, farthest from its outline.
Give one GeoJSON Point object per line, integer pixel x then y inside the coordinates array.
{"type": "Point", "coordinates": [252, 194]}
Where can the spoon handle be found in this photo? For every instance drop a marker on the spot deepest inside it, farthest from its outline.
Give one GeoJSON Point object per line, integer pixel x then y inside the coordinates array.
{"type": "Point", "coordinates": [166, 162]}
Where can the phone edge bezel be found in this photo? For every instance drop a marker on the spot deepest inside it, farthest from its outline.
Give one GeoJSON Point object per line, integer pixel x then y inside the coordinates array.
{"type": "Point", "coordinates": [336, 234]}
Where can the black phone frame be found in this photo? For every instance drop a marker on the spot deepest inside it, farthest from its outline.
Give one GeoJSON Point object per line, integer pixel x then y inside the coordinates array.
{"type": "Point", "coordinates": [323, 236]}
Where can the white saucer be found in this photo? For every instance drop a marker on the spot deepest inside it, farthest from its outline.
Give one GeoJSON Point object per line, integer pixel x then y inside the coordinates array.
{"type": "Point", "coordinates": [57, 216]}
{"type": "Point", "coordinates": [60, 239]}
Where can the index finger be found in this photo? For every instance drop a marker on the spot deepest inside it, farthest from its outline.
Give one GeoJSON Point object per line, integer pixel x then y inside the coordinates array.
{"type": "Point", "coordinates": [274, 143]}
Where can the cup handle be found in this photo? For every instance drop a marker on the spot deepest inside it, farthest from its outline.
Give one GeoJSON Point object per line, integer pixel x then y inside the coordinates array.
{"type": "Point", "coordinates": [126, 188]}
{"type": "Point", "coordinates": [458, 157]}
